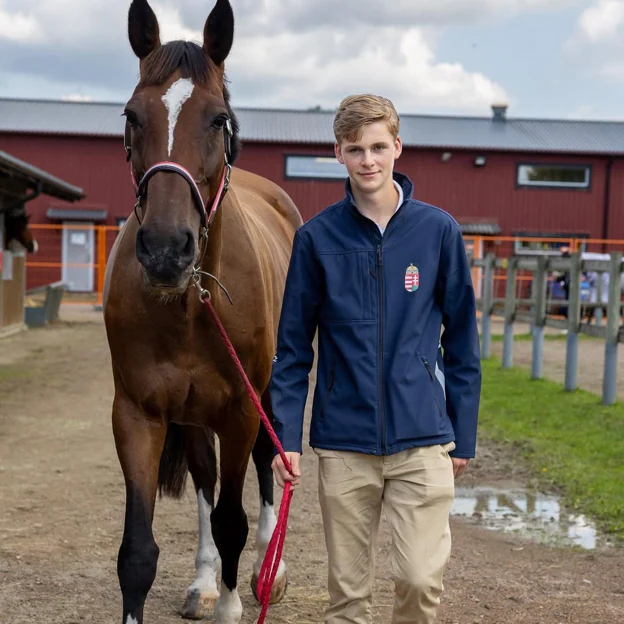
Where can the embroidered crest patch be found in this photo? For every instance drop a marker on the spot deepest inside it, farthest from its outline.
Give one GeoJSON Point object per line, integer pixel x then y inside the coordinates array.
{"type": "Point", "coordinates": [412, 278]}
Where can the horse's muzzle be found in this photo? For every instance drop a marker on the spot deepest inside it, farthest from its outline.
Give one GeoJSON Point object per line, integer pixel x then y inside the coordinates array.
{"type": "Point", "coordinates": [166, 257]}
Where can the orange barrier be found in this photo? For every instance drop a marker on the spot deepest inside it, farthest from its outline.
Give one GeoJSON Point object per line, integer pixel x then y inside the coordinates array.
{"type": "Point", "coordinates": [52, 262]}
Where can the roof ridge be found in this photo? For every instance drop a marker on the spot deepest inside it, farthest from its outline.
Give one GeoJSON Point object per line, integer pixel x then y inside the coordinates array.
{"type": "Point", "coordinates": [324, 112]}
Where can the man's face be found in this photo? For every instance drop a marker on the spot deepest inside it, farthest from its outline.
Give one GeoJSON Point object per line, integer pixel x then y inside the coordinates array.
{"type": "Point", "coordinates": [370, 160]}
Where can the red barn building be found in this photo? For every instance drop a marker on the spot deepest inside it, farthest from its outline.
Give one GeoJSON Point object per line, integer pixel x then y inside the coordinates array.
{"type": "Point", "coordinates": [495, 175]}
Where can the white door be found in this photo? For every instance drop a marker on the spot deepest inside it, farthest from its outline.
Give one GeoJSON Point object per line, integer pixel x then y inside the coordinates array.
{"type": "Point", "coordinates": [78, 254]}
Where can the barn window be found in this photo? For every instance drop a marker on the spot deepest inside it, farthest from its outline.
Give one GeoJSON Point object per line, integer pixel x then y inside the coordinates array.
{"type": "Point", "coordinates": [547, 243]}
{"type": "Point", "coordinates": [319, 167]}
{"type": "Point", "coordinates": [554, 176]}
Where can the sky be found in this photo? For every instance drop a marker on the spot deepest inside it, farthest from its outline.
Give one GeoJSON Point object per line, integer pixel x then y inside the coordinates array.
{"type": "Point", "coordinates": [543, 58]}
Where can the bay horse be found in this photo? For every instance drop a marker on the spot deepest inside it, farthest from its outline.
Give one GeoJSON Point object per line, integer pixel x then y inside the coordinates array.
{"type": "Point", "coordinates": [16, 228]}
{"type": "Point", "coordinates": [175, 384]}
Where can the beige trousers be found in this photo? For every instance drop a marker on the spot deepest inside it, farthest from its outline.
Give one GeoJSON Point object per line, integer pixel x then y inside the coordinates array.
{"type": "Point", "coordinates": [416, 489]}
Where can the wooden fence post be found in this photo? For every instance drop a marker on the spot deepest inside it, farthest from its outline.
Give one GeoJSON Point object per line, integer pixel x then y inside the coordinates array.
{"type": "Point", "coordinates": [574, 320]}
{"type": "Point", "coordinates": [510, 312]}
{"type": "Point", "coordinates": [486, 307]}
{"type": "Point", "coordinates": [609, 380]}
{"type": "Point", "coordinates": [539, 289]}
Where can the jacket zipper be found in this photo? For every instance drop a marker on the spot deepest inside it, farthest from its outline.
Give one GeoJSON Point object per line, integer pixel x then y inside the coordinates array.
{"type": "Point", "coordinates": [381, 350]}
{"type": "Point", "coordinates": [428, 367]}
{"type": "Point", "coordinates": [330, 385]}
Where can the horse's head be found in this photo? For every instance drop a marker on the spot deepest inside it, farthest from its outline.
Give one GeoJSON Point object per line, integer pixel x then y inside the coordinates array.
{"type": "Point", "coordinates": [179, 114]}
{"type": "Point", "coordinates": [16, 228]}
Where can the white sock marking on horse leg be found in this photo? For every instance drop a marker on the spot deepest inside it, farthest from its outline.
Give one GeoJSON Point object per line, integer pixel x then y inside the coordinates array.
{"type": "Point", "coordinates": [176, 95]}
{"type": "Point", "coordinates": [229, 608]}
{"type": "Point", "coordinates": [266, 525]}
{"type": "Point", "coordinates": [207, 561]}
{"type": "Point", "coordinates": [131, 620]}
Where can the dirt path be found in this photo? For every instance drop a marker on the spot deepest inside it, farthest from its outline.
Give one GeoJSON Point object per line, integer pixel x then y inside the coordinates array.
{"type": "Point", "coordinates": [61, 515]}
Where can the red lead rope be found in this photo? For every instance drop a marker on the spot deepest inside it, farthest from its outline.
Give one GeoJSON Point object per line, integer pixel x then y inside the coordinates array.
{"type": "Point", "coordinates": [273, 555]}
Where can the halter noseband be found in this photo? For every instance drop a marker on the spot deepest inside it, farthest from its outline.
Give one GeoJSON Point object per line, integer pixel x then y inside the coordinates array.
{"type": "Point", "coordinates": [140, 189]}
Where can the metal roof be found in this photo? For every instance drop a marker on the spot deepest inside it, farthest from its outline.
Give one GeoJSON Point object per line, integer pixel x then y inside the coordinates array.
{"type": "Point", "coordinates": [482, 228]}
{"type": "Point", "coordinates": [33, 177]}
{"type": "Point", "coordinates": [315, 127]}
{"type": "Point", "coordinates": [73, 214]}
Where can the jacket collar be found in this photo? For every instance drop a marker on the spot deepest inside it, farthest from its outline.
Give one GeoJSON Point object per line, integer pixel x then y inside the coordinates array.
{"type": "Point", "coordinates": [400, 178]}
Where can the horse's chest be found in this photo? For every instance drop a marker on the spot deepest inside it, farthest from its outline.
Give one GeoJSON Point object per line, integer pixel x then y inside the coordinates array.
{"type": "Point", "coordinates": [180, 394]}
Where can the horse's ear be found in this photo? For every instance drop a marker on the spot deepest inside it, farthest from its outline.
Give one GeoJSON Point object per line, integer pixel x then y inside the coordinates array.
{"type": "Point", "coordinates": [143, 30]}
{"type": "Point", "coordinates": [219, 32]}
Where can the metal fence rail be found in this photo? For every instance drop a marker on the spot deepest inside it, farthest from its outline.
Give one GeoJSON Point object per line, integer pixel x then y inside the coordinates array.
{"type": "Point", "coordinates": [534, 310]}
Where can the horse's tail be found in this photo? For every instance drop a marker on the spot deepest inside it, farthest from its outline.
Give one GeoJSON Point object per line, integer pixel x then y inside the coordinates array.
{"type": "Point", "coordinates": [173, 463]}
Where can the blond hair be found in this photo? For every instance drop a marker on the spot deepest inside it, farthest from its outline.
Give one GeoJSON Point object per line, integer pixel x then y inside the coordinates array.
{"type": "Point", "coordinates": [357, 111]}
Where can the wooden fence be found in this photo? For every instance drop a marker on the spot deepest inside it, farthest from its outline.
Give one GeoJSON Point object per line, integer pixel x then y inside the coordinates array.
{"type": "Point", "coordinates": [534, 310]}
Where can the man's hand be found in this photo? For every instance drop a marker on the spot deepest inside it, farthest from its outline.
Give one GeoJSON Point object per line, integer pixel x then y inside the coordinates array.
{"type": "Point", "coordinates": [282, 475]}
{"type": "Point", "coordinates": [459, 466]}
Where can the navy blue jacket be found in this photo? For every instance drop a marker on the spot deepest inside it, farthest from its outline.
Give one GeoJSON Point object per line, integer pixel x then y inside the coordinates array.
{"type": "Point", "coordinates": [385, 380]}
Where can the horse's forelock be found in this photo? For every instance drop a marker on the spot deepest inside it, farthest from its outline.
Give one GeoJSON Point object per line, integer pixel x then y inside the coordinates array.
{"type": "Point", "coordinates": [184, 56]}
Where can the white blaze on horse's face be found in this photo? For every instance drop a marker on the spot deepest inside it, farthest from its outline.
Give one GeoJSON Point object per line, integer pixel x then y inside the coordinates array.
{"type": "Point", "coordinates": [180, 91]}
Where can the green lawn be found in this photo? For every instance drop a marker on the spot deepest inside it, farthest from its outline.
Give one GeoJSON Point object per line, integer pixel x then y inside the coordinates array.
{"type": "Point", "coordinates": [570, 440]}
{"type": "Point", "coordinates": [529, 337]}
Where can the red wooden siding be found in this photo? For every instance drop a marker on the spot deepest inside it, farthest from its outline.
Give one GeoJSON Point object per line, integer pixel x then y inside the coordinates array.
{"type": "Point", "coordinates": [98, 166]}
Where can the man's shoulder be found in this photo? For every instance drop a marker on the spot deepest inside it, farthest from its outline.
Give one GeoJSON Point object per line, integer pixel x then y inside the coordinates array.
{"type": "Point", "coordinates": [433, 212]}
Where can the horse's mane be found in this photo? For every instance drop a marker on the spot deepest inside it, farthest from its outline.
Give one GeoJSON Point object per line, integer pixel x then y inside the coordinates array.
{"type": "Point", "coordinates": [191, 61]}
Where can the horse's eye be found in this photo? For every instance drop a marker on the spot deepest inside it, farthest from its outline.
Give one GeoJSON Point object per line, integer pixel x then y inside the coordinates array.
{"type": "Point", "coordinates": [133, 120]}
{"type": "Point", "coordinates": [219, 121]}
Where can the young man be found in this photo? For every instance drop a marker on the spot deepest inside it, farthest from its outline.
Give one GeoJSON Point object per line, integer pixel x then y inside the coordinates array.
{"type": "Point", "coordinates": [394, 416]}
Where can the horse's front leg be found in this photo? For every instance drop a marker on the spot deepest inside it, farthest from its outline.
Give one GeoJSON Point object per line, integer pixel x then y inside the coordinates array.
{"type": "Point", "coordinates": [139, 445]}
{"type": "Point", "coordinates": [229, 520]}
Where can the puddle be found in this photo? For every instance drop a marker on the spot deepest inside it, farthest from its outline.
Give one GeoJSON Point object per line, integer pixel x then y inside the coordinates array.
{"type": "Point", "coordinates": [530, 514]}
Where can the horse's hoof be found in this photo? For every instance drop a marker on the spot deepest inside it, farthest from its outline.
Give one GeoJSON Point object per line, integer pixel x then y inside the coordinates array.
{"type": "Point", "coordinates": [277, 591]}
{"type": "Point", "coordinates": [198, 605]}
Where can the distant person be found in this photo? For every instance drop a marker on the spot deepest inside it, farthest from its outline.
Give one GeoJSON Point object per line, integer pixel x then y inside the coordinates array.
{"type": "Point", "coordinates": [564, 280]}
{"type": "Point", "coordinates": [394, 416]}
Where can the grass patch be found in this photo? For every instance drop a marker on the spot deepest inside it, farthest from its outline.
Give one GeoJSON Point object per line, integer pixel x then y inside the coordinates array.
{"type": "Point", "coordinates": [547, 337]}
{"type": "Point", "coordinates": [9, 373]}
{"type": "Point", "coordinates": [570, 440]}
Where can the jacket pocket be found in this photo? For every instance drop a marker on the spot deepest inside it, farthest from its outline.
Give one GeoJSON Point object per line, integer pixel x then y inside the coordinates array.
{"type": "Point", "coordinates": [347, 287]}
{"type": "Point", "coordinates": [434, 381]}
{"type": "Point", "coordinates": [330, 385]}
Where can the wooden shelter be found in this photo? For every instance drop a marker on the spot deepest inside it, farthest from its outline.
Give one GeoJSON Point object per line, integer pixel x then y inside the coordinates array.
{"type": "Point", "coordinates": [20, 183]}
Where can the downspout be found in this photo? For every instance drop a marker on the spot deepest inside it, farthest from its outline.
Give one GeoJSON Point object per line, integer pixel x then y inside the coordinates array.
{"type": "Point", "coordinates": [606, 212]}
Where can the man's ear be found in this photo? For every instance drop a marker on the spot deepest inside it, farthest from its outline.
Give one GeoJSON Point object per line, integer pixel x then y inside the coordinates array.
{"type": "Point", "coordinates": [338, 152]}
{"type": "Point", "coordinates": [398, 147]}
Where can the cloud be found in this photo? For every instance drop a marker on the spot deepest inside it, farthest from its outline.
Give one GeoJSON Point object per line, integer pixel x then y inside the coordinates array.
{"type": "Point", "coordinates": [296, 53]}
{"type": "Point", "coordinates": [18, 27]}
{"type": "Point", "coordinates": [400, 65]}
{"type": "Point", "coordinates": [597, 43]}
{"type": "Point", "coordinates": [604, 20]}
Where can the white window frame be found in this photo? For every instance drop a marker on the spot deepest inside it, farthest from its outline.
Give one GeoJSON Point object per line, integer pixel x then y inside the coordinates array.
{"type": "Point", "coordinates": [325, 164]}
{"type": "Point", "coordinates": [521, 251]}
{"type": "Point", "coordinates": [554, 183]}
